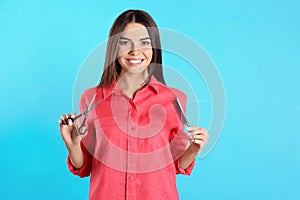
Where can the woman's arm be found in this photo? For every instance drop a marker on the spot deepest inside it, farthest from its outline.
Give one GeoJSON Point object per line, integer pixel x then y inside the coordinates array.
{"type": "Point", "coordinates": [199, 137]}
{"type": "Point", "coordinates": [76, 157]}
{"type": "Point", "coordinates": [72, 140]}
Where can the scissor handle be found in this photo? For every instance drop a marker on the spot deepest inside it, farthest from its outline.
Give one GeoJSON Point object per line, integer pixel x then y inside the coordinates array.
{"type": "Point", "coordinates": [82, 128]}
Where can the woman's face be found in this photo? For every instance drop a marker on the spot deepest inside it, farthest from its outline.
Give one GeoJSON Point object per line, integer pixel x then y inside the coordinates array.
{"type": "Point", "coordinates": [135, 49]}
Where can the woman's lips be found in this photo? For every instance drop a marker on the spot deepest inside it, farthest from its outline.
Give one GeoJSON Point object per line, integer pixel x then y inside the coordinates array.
{"type": "Point", "coordinates": [134, 62]}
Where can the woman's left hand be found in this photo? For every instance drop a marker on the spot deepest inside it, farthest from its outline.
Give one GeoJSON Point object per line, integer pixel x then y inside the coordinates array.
{"type": "Point", "coordinates": [199, 137]}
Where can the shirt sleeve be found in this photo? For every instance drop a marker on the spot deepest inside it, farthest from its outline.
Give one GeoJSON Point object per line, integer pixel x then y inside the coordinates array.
{"type": "Point", "coordinates": [186, 171]}
{"type": "Point", "coordinates": [179, 140]}
{"type": "Point", "coordinates": [86, 143]}
{"type": "Point", "coordinates": [85, 170]}
{"type": "Point", "coordinates": [178, 145]}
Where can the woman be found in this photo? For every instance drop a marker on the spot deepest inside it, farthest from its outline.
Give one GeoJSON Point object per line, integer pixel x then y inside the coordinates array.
{"type": "Point", "coordinates": [134, 143]}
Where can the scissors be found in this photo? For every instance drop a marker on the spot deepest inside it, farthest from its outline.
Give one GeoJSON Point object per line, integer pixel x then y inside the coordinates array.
{"type": "Point", "coordinates": [82, 128]}
{"type": "Point", "coordinates": [185, 121]}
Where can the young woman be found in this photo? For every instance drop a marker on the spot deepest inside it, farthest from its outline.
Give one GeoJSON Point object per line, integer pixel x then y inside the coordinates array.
{"type": "Point", "coordinates": [134, 143]}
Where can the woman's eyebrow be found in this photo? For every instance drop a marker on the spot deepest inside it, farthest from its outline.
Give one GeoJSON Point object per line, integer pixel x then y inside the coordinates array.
{"type": "Point", "coordinates": [124, 38]}
{"type": "Point", "coordinates": [146, 38]}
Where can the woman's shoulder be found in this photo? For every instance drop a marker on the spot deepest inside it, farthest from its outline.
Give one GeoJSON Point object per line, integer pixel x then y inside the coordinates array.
{"type": "Point", "coordinates": [179, 94]}
{"type": "Point", "coordinates": [172, 93]}
{"type": "Point", "coordinates": [167, 91]}
{"type": "Point", "coordinates": [90, 92]}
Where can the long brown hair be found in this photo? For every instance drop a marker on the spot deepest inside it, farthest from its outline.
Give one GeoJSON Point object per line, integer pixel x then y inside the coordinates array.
{"type": "Point", "coordinates": [112, 68]}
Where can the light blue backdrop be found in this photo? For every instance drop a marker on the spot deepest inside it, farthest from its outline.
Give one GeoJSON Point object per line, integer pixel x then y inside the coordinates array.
{"type": "Point", "coordinates": [255, 45]}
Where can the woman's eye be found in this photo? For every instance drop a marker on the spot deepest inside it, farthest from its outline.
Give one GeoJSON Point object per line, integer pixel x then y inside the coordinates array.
{"type": "Point", "coordinates": [123, 42]}
{"type": "Point", "coordinates": [145, 43]}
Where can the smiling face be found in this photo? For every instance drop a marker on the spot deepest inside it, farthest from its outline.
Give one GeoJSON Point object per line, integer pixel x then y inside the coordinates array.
{"type": "Point", "coordinates": [135, 49]}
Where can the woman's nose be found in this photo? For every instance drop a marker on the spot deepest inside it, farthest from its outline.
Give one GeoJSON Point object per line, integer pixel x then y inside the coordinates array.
{"type": "Point", "coordinates": [133, 52]}
{"type": "Point", "coordinates": [134, 49]}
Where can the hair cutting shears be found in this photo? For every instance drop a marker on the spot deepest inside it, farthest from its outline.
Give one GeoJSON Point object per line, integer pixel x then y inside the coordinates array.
{"type": "Point", "coordinates": [181, 112]}
{"type": "Point", "coordinates": [82, 129]}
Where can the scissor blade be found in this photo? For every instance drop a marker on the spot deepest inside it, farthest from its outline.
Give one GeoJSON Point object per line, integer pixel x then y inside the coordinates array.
{"type": "Point", "coordinates": [91, 103]}
{"type": "Point", "coordinates": [78, 116]}
{"type": "Point", "coordinates": [181, 112]}
{"type": "Point", "coordinates": [96, 104]}
{"type": "Point", "coordinates": [90, 107]}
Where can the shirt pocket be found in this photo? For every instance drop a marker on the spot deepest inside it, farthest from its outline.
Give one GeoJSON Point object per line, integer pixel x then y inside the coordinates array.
{"type": "Point", "coordinates": [108, 133]}
{"type": "Point", "coordinates": [105, 128]}
{"type": "Point", "coordinates": [110, 143]}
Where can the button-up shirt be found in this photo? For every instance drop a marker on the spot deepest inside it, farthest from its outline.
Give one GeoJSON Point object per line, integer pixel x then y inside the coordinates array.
{"type": "Point", "coordinates": [132, 146]}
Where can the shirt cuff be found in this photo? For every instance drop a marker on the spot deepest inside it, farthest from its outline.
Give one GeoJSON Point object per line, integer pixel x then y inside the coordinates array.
{"type": "Point", "coordinates": [84, 170]}
{"type": "Point", "coordinates": [186, 171]}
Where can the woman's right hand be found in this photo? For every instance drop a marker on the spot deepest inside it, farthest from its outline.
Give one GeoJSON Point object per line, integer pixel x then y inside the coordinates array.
{"type": "Point", "coordinates": [69, 132]}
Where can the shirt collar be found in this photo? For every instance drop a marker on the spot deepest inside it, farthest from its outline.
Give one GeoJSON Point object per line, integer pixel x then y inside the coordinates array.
{"type": "Point", "coordinates": [109, 89]}
{"type": "Point", "coordinates": [154, 84]}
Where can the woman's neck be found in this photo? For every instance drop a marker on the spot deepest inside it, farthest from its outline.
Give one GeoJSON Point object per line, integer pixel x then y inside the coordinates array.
{"type": "Point", "coordinates": [130, 83]}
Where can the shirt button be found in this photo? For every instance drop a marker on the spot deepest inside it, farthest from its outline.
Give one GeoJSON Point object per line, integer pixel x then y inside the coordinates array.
{"type": "Point", "coordinates": [118, 92]}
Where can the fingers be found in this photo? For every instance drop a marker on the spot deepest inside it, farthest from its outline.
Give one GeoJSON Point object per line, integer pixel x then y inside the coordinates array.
{"type": "Point", "coordinates": [73, 115]}
{"type": "Point", "coordinates": [198, 135]}
{"type": "Point", "coordinates": [75, 122]}
{"type": "Point", "coordinates": [62, 120]}
{"type": "Point", "coordinates": [66, 119]}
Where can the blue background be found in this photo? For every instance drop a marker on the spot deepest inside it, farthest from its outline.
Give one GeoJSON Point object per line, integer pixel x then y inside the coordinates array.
{"type": "Point", "coordinates": [255, 45]}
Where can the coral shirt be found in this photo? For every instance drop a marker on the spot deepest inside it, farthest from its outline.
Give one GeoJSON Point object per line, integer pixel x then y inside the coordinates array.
{"type": "Point", "coordinates": [132, 146]}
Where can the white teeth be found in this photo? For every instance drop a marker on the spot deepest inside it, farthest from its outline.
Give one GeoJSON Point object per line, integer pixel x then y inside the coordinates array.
{"type": "Point", "coordinates": [135, 61]}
